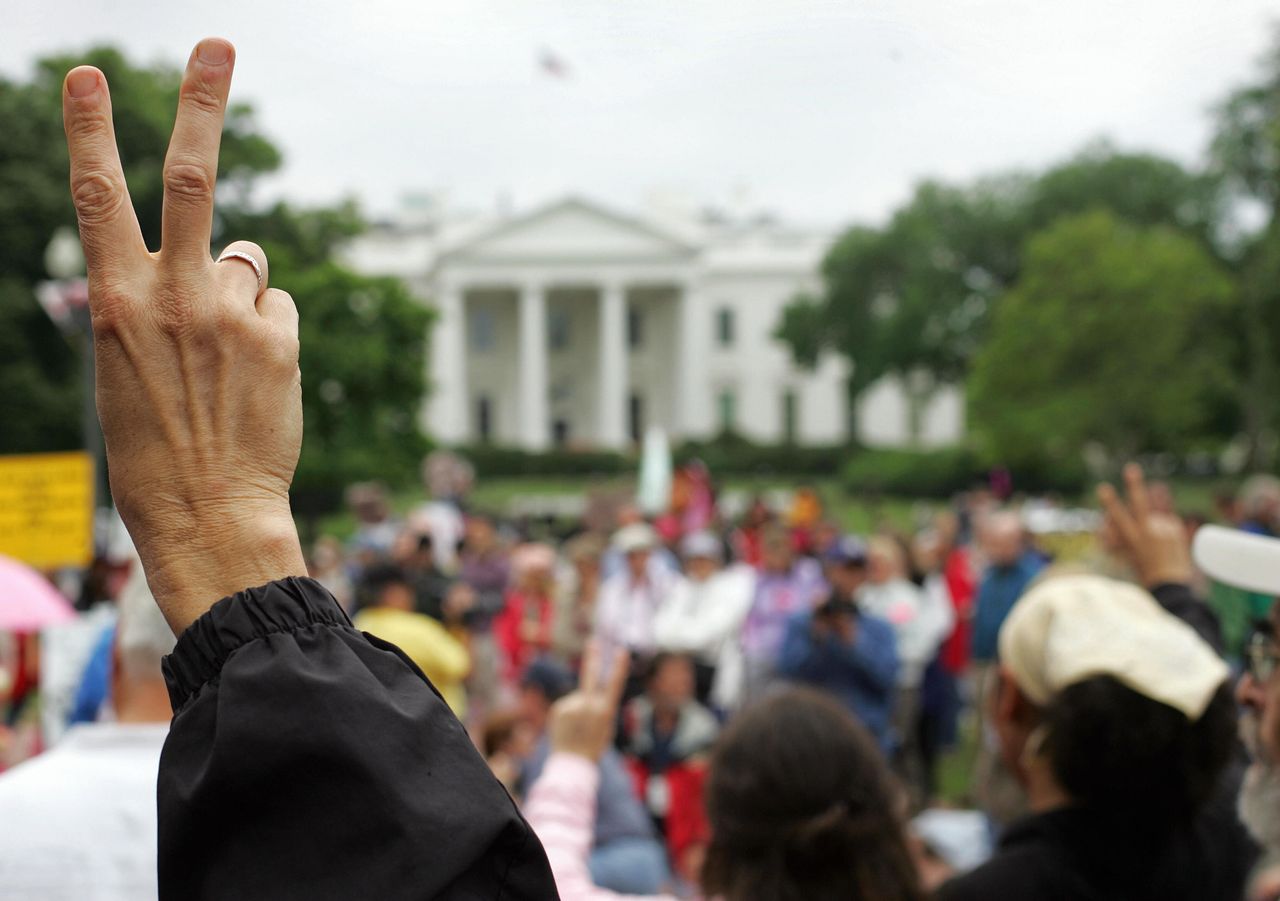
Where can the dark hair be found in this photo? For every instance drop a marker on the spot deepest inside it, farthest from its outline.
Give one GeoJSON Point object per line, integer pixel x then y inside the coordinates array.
{"type": "Point", "coordinates": [498, 729]}
{"type": "Point", "coordinates": [1124, 754]}
{"type": "Point", "coordinates": [803, 808]}
{"type": "Point", "coordinates": [377, 578]}
{"type": "Point", "coordinates": [661, 659]}
{"type": "Point", "coordinates": [550, 677]}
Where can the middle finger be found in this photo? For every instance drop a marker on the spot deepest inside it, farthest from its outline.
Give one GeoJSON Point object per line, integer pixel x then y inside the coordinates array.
{"type": "Point", "coordinates": [191, 165]}
{"type": "Point", "coordinates": [1136, 489]}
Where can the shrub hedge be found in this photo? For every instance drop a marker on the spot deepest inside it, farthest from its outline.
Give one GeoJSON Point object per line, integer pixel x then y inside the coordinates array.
{"type": "Point", "coordinates": [947, 471]}
{"type": "Point", "coordinates": [934, 473]}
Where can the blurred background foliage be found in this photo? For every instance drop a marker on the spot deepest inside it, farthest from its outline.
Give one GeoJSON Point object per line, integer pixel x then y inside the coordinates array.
{"type": "Point", "coordinates": [1117, 301]}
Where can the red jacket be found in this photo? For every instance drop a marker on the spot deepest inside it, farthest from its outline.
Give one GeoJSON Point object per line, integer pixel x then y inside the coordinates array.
{"type": "Point", "coordinates": [517, 649]}
{"type": "Point", "coordinates": [686, 819]}
{"type": "Point", "coordinates": [962, 586]}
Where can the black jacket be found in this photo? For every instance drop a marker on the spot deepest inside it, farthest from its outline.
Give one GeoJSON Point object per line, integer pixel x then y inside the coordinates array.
{"type": "Point", "coordinates": [308, 760]}
{"type": "Point", "coordinates": [1074, 854]}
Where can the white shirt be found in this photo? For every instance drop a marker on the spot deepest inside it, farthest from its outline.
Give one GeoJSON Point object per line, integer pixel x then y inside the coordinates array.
{"type": "Point", "coordinates": [444, 523]}
{"type": "Point", "coordinates": [626, 609]}
{"type": "Point", "coordinates": [79, 822]}
{"type": "Point", "coordinates": [699, 617]}
{"type": "Point", "coordinates": [899, 603]}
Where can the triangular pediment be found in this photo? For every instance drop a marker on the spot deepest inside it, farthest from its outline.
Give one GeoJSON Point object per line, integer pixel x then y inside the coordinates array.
{"type": "Point", "coordinates": [571, 230]}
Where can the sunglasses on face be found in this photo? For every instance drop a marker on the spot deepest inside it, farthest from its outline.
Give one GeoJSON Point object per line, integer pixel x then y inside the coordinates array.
{"type": "Point", "coordinates": [1261, 656]}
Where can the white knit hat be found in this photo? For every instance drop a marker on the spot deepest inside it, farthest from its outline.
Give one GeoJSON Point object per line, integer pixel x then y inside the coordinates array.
{"type": "Point", "coordinates": [1073, 628]}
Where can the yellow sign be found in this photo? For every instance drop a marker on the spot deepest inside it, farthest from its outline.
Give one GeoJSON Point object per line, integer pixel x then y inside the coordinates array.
{"type": "Point", "coordinates": [46, 509]}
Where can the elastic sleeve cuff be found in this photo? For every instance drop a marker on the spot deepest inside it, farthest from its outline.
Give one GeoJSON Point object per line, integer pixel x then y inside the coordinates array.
{"type": "Point", "coordinates": [286, 605]}
{"type": "Point", "coordinates": [1166, 588]}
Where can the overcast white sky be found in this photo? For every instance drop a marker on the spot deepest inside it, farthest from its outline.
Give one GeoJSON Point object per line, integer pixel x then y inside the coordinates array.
{"type": "Point", "coordinates": [826, 112]}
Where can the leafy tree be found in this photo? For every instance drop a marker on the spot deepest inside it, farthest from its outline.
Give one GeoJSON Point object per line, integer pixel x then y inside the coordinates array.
{"type": "Point", "coordinates": [1245, 157]}
{"type": "Point", "coordinates": [1245, 150]}
{"type": "Point", "coordinates": [362, 378]}
{"type": "Point", "coordinates": [1111, 336]}
{"type": "Point", "coordinates": [1141, 188]}
{"type": "Point", "coordinates": [914, 299]}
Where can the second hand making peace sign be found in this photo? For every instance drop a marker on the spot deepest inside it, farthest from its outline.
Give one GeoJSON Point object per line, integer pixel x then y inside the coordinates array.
{"type": "Point", "coordinates": [583, 722]}
{"type": "Point", "coordinates": [198, 386]}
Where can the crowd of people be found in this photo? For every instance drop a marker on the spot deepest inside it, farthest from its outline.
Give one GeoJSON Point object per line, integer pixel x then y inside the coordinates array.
{"type": "Point", "coordinates": [905, 633]}
{"type": "Point", "coordinates": [712, 616]}
{"type": "Point", "coordinates": [671, 702]}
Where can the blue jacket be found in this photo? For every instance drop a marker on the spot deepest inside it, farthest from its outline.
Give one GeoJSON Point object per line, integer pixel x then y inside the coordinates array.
{"type": "Point", "coordinates": [998, 592]}
{"type": "Point", "coordinates": [860, 675]}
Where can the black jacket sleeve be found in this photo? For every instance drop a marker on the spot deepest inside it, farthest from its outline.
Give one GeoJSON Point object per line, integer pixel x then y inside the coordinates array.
{"type": "Point", "coordinates": [1182, 602]}
{"type": "Point", "coordinates": [308, 760]}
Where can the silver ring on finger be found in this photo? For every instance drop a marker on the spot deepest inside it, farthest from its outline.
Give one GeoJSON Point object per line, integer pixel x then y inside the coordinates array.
{"type": "Point", "coordinates": [246, 257]}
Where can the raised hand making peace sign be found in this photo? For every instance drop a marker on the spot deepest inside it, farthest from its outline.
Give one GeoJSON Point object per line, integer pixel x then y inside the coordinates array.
{"type": "Point", "coordinates": [197, 360]}
{"type": "Point", "coordinates": [583, 722]}
{"type": "Point", "coordinates": [1155, 544]}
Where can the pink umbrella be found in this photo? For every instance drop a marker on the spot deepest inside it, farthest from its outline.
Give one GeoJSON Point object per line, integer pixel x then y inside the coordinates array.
{"type": "Point", "coordinates": [28, 602]}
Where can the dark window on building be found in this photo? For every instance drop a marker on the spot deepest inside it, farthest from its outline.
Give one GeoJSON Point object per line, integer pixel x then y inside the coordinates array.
{"type": "Point", "coordinates": [636, 416]}
{"type": "Point", "coordinates": [635, 329]}
{"type": "Point", "coordinates": [483, 327]}
{"type": "Point", "coordinates": [560, 432]}
{"type": "Point", "coordinates": [724, 327]}
{"type": "Point", "coordinates": [728, 408]}
{"type": "Point", "coordinates": [790, 416]}
{"type": "Point", "coordinates": [484, 419]}
{"type": "Point", "coordinates": [558, 332]}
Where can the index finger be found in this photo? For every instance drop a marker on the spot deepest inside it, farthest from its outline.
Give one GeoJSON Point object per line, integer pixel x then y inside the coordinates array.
{"type": "Point", "coordinates": [1117, 513]}
{"type": "Point", "coordinates": [109, 229]}
{"type": "Point", "coordinates": [590, 678]}
{"type": "Point", "coordinates": [191, 165]}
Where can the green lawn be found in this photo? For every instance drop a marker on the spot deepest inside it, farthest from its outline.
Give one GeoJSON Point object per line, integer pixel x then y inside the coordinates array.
{"type": "Point", "coordinates": [856, 514]}
{"type": "Point", "coordinates": [498, 495]}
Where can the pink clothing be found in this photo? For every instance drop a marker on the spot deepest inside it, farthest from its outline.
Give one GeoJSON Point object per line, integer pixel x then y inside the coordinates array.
{"type": "Point", "coordinates": [561, 808]}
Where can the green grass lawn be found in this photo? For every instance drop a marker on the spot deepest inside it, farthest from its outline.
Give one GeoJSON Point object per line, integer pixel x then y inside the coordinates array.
{"type": "Point", "coordinates": [498, 495]}
{"type": "Point", "coordinates": [857, 514]}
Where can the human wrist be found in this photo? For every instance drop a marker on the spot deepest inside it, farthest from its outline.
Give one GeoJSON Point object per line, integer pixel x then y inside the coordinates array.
{"type": "Point", "coordinates": [189, 573]}
{"type": "Point", "coordinates": [1171, 573]}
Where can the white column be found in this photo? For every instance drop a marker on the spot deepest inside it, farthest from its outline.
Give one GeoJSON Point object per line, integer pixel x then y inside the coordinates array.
{"type": "Point", "coordinates": [448, 404]}
{"type": "Point", "coordinates": [535, 425]}
{"type": "Point", "coordinates": [694, 414]}
{"type": "Point", "coordinates": [611, 399]}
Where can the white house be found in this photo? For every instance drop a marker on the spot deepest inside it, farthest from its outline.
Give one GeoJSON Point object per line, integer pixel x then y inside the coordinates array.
{"type": "Point", "coordinates": [577, 326]}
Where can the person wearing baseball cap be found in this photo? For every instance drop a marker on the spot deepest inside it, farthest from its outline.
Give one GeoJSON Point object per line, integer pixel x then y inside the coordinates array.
{"type": "Point", "coordinates": [703, 615]}
{"type": "Point", "coordinates": [1118, 720]}
{"type": "Point", "coordinates": [630, 599]}
{"type": "Point", "coordinates": [839, 648]}
{"type": "Point", "coordinates": [1113, 707]}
